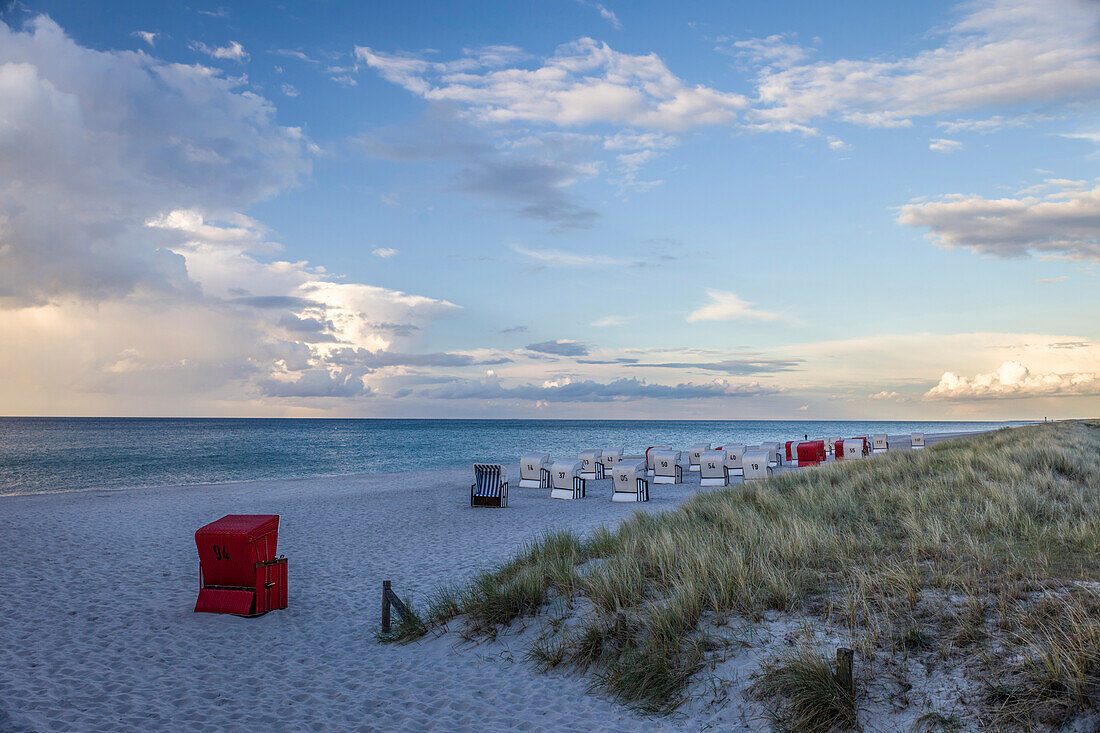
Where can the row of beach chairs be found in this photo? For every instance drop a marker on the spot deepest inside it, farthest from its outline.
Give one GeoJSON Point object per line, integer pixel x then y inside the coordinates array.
{"type": "Point", "coordinates": [630, 475]}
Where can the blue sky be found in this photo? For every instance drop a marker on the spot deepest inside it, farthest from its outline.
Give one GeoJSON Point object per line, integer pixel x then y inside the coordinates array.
{"type": "Point", "coordinates": [554, 209]}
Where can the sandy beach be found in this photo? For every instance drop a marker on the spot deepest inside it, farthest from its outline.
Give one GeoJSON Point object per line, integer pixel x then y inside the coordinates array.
{"type": "Point", "coordinates": [99, 632]}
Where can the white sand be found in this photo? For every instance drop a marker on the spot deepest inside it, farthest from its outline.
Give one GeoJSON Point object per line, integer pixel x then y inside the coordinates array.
{"type": "Point", "coordinates": [98, 633]}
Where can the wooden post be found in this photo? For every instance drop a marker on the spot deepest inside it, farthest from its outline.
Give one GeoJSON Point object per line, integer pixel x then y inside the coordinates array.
{"type": "Point", "coordinates": [844, 671]}
{"type": "Point", "coordinates": [385, 605]}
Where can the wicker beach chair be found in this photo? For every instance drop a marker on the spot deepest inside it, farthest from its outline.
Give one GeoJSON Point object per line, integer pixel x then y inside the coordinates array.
{"type": "Point", "coordinates": [489, 487]}
{"type": "Point", "coordinates": [592, 468]}
{"type": "Point", "coordinates": [566, 481]}
{"type": "Point", "coordinates": [534, 470]}
{"type": "Point", "coordinates": [628, 480]}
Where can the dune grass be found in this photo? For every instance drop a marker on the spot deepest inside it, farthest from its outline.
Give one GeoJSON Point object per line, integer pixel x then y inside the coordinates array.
{"type": "Point", "coordinates": [933, 551]}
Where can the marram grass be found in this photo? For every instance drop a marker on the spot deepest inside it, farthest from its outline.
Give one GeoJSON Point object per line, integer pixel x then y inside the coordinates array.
{"type": "Point", "coordinates": [997, 519]}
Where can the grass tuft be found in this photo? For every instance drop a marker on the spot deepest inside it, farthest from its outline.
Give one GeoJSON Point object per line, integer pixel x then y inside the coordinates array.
{"type": "Point", "coordinates": [802, 693]}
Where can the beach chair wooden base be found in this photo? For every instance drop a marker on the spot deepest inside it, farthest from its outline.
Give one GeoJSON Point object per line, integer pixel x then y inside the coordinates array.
{"type": "Point", "coordinates": [641, 492]}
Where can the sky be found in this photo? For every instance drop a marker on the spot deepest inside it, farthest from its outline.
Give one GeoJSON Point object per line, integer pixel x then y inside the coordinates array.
{"type": "Point", "coordinates": [554, 209]}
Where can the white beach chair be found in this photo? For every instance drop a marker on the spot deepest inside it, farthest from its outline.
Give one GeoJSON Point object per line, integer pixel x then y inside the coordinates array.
{"type": "Point", "coordinates": [668, 467]}
{"type": "Point", "coordinates": [565, 480]}
{"type": "Point", "coordinates": [693, 455]}
{"type": "Point", "coordinates": [916, 440]}
{"type": "Point", "coordinates": [713, 470]}
{"type": "Point", "coordinates": [756, 464]}
{"type": "Point", "coordinates": [489, 487]}
{"type": "Point", "coordinates": [534, 470]}
{"type": "Point", "coordinates": [734, 451]}
{"type": "Point", "coordinates": [651, 455]}
{"type": "Point", "coordinates": [776, 451]}
{"type": "Point", "coordinates": [611, 456]}
{"type": "Point", "coordinates": [879, 442]}
{"type": "Point", "coordinates": [628, 480]}
{"type": "Point", "coordinates": [592, 464]}
{"type": "Point", "coordinates": [853, 448]}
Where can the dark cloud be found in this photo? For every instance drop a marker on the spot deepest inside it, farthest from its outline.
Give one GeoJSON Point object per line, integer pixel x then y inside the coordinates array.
{"type": "Point", "coordinates": [561, 347]}
{"type": "Point", "coordinates": [620, 360]}
{"type": "Point", "coordinates": [589, 391]}
{"type": "Point", "coordinates": [539, 186]}
{"type": "Point", "coordinates": [275, 301]}
{"type": "Point", "coordinates": [309, 330]}
{"type": "Point", "coordinates": [376, 359]}
{"type": "Point", "coordinates": [397, 329]}
{"type": "Point", "coordinates": [534, 173]}
{"type": "Point", "coordinates": [734, 367]}
{"type": "Point", "coordinates": [515, 329]}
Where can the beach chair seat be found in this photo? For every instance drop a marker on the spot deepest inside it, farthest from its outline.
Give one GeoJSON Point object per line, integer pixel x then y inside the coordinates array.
{"type": "Point", "coordinates": [650, 457]}
{"type": "Point", "coordinates": [628, 480]}
{"type": "Point", "coordinates": [880, 442]}
{"type": "Point", "coordinates": [534, 470]}
{"type": "Point", "coordinates": [693, 455]}
{"type": "Point", "coordinates": [668, 467]}
{"type": "Point", "coordinates": [611, 456]}
{"type": "Point", "coordinates": [916, 440]}
{"type": "Point", "coordinates": [734, 452]}
{"type": "Point", "coordinates": [565, 479]}
{"type": "Point", "coordinates": [713, 470]}
{"type": "Point", "coordinates": [591, 465]}
{"type": "Point", "coordinates": [489, 487]}
{"type": "Point", "coordinates": [756, 464]}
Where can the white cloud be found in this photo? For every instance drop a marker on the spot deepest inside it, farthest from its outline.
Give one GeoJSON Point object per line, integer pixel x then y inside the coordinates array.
{"type": "Point", "coordinates": [584, 82]}
{"type": "Point", "coordinates": [289, 90]}
{"type": "Point", "coordinates": [1047, 280]}
{"type": "Point", "coordinates": [991, 124]}
{"type": "Point", "coordinates": [129, 282]}
{"type": "Point", "coordinates": [232, 51]}
{"type": "Point", "coordinates": [1001, 52]}
{"type": "Point", "coordinates": [606, 14]}
{"type": "Point", "coordinates": [726, 306]}
{"type": "Point", "coordinates": [562, 258]}
{"type": "Point", "coordinates": [610, 321]}
{"type": "Point", "coordinates": [384, 252]}
{"type": "Point", "coordinates": [1013, 380]}
{"type": "Point", "coordinates": [95, 143]}
{"type": "Point", "coordinates": [774, 50]}
{"type": "Point", "coordinates": [941, 145]}
{"type": "Point", "coordinates": [149, 37]}
{"type": "Point", "coordinates": [884, 396]}
{"type": "Point", "coordinates": [1064, 224]}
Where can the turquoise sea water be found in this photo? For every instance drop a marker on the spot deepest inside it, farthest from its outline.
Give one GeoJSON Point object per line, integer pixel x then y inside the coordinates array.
{"type": "Point", "coordinates": [40, 455]}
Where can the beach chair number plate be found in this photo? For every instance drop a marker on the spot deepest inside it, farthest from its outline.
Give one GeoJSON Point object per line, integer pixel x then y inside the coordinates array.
{"type": "Point", "coordinates": [710, 465]}
{"type": "Point", "coordinates": [530, 467]}
{"type": "Point", "coordinates": [756, 466]}
{"type": "Point", "coordinates": [561, 474]}
{"type": "Point", "coordinates": [623, 477]}
{"type": "Point", "coordinates": [221, 552]}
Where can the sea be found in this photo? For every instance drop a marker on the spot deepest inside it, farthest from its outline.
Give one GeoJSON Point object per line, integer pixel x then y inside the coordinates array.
{"type": "Point", "coordinates": [45, 455]}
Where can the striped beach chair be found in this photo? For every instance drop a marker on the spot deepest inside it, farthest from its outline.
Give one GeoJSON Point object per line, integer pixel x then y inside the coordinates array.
{"type": "Point", "coordinates": [489, 487]}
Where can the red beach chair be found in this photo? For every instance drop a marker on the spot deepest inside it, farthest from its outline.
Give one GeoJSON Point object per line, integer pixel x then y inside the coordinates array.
{"type": "Point", "coordinates": [238, 570]}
